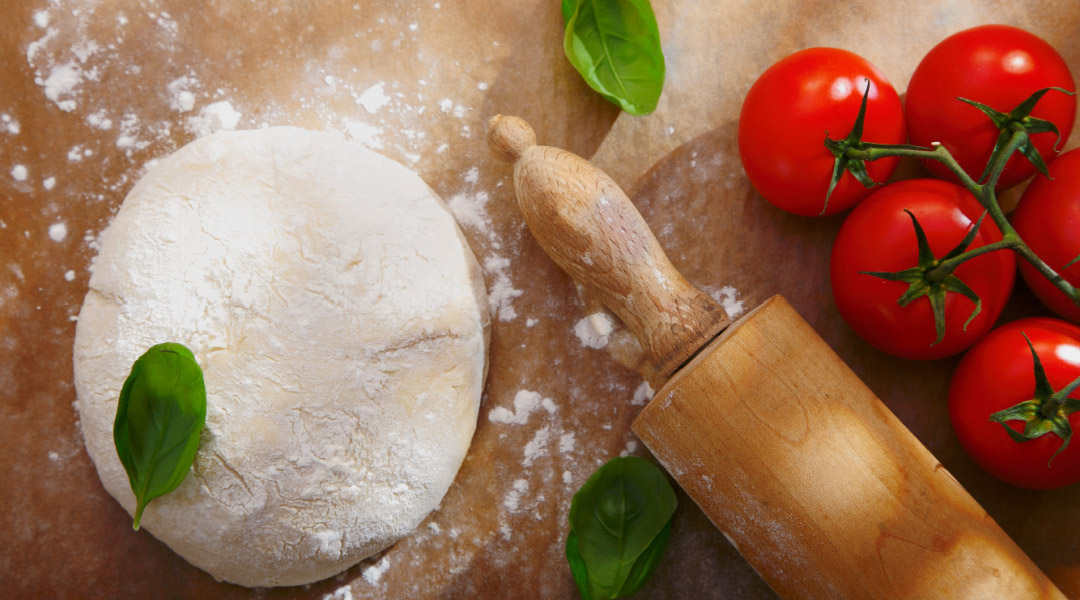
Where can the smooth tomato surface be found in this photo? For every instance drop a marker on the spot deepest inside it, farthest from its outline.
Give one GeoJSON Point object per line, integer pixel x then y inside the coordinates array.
{"type": "Point", "coordinates": [879, 236]}
{"type": "Point", "coordinates": [1048, 219]}
{"type": "Point", "coordinates": [999, 66]}
{"type": "Point", "coordinates": [998, 373]}
{"type": "Point", "coordinates": [784, 119]}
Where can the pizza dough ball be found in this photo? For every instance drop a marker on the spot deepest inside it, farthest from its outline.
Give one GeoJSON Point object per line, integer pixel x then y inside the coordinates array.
{"type": "Point", "coordinates": [341, 323]}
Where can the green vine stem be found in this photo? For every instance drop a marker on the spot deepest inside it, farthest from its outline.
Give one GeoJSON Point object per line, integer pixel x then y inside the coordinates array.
{"type": "Point", "coordinates": [983, 192]}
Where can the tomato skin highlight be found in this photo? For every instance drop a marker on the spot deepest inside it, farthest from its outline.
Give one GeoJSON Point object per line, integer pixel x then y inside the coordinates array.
{"type": "Point", "coordinates": [999, 66]}
{"type": "Point", "coordinates": [784, 119]}
{"type": "Point", "coordinates": [879, 236]}
{"type": "Point", "coordinates": [997, 373]}
{"type": "Point", "coordinates": [1048, 220]}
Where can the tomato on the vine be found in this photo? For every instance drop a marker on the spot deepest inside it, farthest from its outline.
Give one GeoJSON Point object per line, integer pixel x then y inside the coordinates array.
{"type": "Point", "coordinates": [996, 65]}
{"type": "Point", "coordinates": [1048, 219]}
{"type": "Point", "coordinates": [879, 236]}
{"type": "Point", "coordinates": [998, 373]}
{"type": "Point", "coordinates": [784, 119]}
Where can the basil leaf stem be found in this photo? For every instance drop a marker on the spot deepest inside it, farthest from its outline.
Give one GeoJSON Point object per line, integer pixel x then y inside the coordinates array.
{"type": "Point", "coordinates": [620, 522]}
{"type": "Point", "coordinates": [159, 418]}
{"type": "Point", "coordinates": [615, 45]}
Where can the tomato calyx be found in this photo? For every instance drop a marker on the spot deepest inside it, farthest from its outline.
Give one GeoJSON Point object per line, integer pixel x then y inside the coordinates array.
{"type": "Point", "coordinates": [1019, 119]}
{"type": "Point", "coordinates": [1047, 412]}
{"type": "Point", "coordinates": [933, 277]}
{"type": "Point", "coordinates": [851, 153]}
{"type": "Point", "coordinates": [845, 163]}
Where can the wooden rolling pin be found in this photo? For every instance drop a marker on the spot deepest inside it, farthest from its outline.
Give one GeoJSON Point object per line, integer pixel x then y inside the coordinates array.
{"type": "Point", "coordinates": [791, 456]}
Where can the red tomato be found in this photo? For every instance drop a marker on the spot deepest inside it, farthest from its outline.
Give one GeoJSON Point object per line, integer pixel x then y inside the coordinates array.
{"type": "Point", "coordinates": [784, 119]}
{"type": "Point", "coordinates": [879, 236]}
{"type": "Point", "coordinates": [1000, 67]}
{"type": "Point", "coordinates": [1048, 218]}
{"type": "Point", "coordinates": [999, 373]}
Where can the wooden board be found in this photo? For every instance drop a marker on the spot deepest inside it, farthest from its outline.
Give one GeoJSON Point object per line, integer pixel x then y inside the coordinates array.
{"type": "Point", "coordinates": [445, 68]}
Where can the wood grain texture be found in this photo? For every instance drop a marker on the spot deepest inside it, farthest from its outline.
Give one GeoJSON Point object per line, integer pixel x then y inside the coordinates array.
{"type": "Point", "coordinates": [587, 225]}
{"type": "Point", "coordinates": [816, 482]}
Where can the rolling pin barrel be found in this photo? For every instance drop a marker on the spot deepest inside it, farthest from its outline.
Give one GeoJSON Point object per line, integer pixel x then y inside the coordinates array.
{"type": "Point", "coordinates": [810, 476]}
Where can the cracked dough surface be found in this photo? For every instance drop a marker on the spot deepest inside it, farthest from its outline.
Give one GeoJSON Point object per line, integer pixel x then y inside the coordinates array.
{"type": "Point", "coordinates": [341, 324]}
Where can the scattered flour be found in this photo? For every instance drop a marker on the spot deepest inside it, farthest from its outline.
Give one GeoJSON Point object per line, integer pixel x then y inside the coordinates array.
{"type": "Point", "coordinates": [525, 402]}
{"type": "Point", "coordinates": [128, 137]}
{"type": "Point", "coordinates": [373, 98]}
{"type": "Point", "coordinates": [181, 98]}
{"type": "Point", "coordinates": [35, 46]}
{"type": "Point", "coordinates": [41, 18]}
{"type": "Point", "coordinates": [342, 593]}
{"type": "Point", "coordinates": [10, 124]}
{"type": "Point", "coordinates": [512, 500]}
{"type": "Point", "coordinates": [470, 210]}
{"type": "Point", "coordinates": [728, 297]}
{"type": "Point", "coordinates": [54, 456]}
{"type": "Point", "coordinates": [49, 183]}
{"type": "Point", "coordinates": [367, 135]}
{"type": "Point", "coordinates": [642, 394]}
{"type": "Point", "coordinates": [69, 276]}
{"type": "Point", "coordinates": [594, 330]}
{"type": "Point", "coordinates": [537, 446]}
{"type": "Point", "coordinates": [19, 173]}
{"type": "Point", "coordinates": [502, 292]}
{"type": "Point", "coordinates": [567, 477]}
{"type": "Point", "coordinates": [213, 118]}
{"type": "Point", "coordinates": [566, 443]}
{"type": "Point", "coordinates": [375, 572]}
{"type": "Point", "coordinates": [98, 120]}
{"type": "Point", "coordinates": [61, 83]}
{"type": "Point", "coordinates": [58, 231]}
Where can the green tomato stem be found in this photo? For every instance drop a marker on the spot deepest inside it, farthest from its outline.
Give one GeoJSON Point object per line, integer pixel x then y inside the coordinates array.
{"type": "Point", "coordinates": [986, 196]}
{"type": "Point", "coordinates": [1018, 138]}
{"type": "Point", "coordinates": [946, 267]}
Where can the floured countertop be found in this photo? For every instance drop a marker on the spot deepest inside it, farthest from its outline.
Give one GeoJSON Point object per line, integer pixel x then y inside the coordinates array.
{"type": "Point", "coordinates": [93, 92]}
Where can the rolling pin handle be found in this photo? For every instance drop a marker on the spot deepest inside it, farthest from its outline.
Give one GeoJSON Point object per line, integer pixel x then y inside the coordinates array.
{"type": "Point", "coordinates": [509, 137]}
{"type": "Point", "coordinates": [588, 226]}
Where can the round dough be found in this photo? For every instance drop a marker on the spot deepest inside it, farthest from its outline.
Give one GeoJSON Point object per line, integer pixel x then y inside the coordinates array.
{"type": "Point", "coordinates": [342, 327]}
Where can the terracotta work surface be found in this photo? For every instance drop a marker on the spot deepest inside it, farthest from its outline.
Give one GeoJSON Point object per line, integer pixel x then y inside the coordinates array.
{"type": "Point", "coordinates": [91, 93]}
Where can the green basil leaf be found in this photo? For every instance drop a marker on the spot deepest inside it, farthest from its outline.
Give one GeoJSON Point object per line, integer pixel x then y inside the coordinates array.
{"type": "Point", "coordinates": [568, 8]}
{"type": "Point", "coordinates": [620, 521]}
{"type": "Point", "coordinates": [160, 415]}
{"type": "Point", "coordinates": [615, 45]}
{"type": "Point", "coordinates": [577, 566]}
{"type": "Point", "coordinates": [646, 563]}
